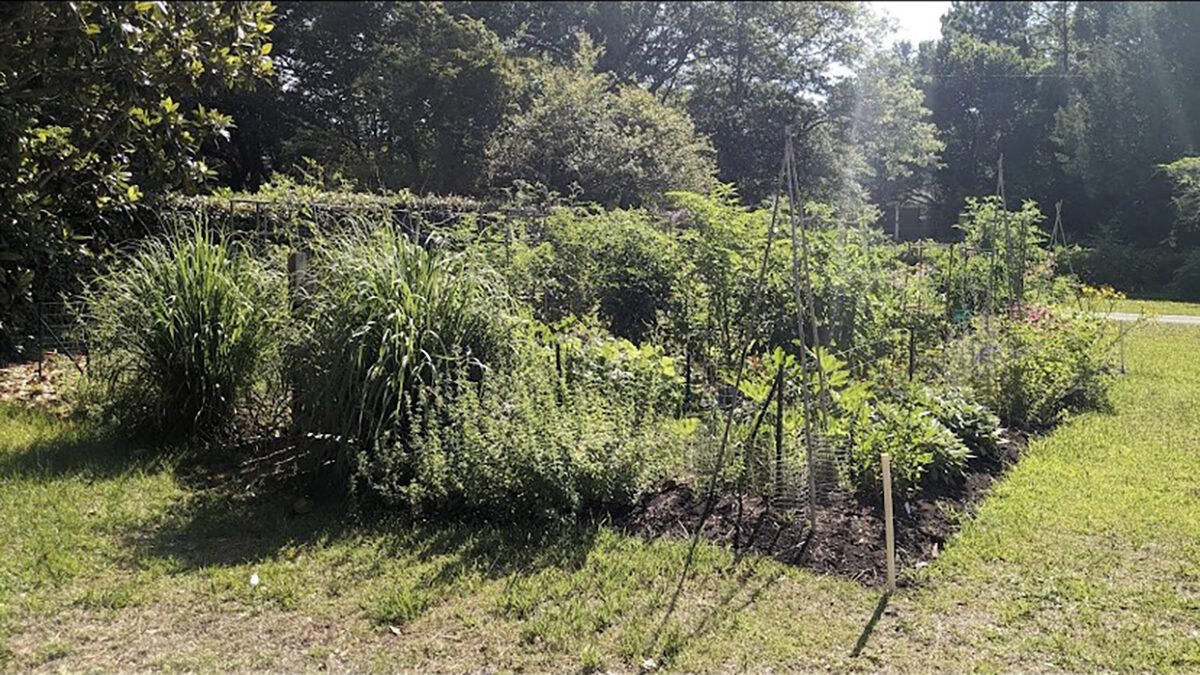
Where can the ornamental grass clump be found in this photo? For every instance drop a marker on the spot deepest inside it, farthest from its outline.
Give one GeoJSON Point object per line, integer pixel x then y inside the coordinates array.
{"type": "Point", "coordinates": [182, 329]}
{"type": "Point", "coordinates": [382, 318]}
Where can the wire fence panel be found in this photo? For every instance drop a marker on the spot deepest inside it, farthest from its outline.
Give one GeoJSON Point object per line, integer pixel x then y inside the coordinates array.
{"type": "Point", "coordinates": [60, 329]}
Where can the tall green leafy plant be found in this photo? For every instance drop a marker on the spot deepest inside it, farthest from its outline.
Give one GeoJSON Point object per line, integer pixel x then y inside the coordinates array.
{"type": "Point", "coordinates": [924, 452]}
{"type": "Point", "coordinates": [1010, 261]}
{"type": "Point", "coordinates": [1039, 365]}
{"type": "Point", "coordinates": [181, 329]}
{"type": "Point", "coordinates": [381, 319]}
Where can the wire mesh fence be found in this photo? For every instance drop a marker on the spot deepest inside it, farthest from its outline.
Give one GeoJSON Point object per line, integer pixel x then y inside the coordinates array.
{"type": "Point", "coordinates": [59, 329]}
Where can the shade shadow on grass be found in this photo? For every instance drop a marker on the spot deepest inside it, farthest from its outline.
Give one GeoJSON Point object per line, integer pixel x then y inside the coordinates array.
{"type": "Point", "coordinates": [80, 449]}
{"type": "Point", "coordinates": [218, 528]}
{"type": "Point", "coordinates": [869, 628]}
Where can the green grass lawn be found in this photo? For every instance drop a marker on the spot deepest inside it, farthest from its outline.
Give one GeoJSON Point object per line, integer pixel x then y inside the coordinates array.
{"type": "Point", "coordinates": [1157, 307]}
{"type": "Point", "coordinates": [1087, 557]}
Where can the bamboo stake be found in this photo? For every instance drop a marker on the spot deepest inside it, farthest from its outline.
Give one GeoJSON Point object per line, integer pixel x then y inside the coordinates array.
{"type": "Point", "coordinates": [806, 394]}
{"type": "Point", "coordinates": [779, 394]}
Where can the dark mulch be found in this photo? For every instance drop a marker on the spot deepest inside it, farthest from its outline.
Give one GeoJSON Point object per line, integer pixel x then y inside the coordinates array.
{"type": "Point", "coordinates": [848, 539]}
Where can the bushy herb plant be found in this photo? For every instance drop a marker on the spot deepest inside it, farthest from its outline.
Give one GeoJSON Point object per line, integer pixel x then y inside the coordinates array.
{"type": "Point", "coordinates": [523, 445]}
{"type": "Point", "coordinates": [1041, 364]}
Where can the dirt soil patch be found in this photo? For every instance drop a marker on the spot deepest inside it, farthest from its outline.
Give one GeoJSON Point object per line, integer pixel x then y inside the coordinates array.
{"type": "Point", "coordinates": [40, 384]}
{"type": "Point", "coordinates": [848, 540]}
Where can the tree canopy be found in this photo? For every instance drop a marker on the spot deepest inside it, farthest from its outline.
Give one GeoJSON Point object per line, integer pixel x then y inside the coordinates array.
{"type": "Point", "coordinates": [100, 105]}
{"type": "Point", "coordinates": [1084, 100]}
{"type": "Point", "coordinates": [615, 144]}
{"type": "Point", "coordinates": [106, 106]}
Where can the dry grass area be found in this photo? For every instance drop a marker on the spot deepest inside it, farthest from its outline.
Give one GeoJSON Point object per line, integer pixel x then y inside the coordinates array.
{"type": "Point", "coordinates": [1086, 557]}
{"type": "Point", "coordinates": [41, 384]}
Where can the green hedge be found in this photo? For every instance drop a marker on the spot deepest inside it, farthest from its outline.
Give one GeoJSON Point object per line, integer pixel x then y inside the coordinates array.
{"type": "Point", "coordinates": [1134, 270]}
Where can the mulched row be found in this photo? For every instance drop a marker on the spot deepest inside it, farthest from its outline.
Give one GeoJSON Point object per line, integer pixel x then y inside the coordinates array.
{"type": "Point", "coordinates": [848, 539]}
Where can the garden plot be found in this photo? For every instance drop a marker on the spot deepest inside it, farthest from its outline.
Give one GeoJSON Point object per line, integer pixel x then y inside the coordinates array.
{"type": "Point", "coordinates": [576, 361]}
{"type": "Point", "coordinates": [113, 560]}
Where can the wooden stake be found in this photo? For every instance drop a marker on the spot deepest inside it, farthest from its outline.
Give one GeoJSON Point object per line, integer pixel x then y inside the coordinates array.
{"type": "Point", "coordinates": [889, 528]}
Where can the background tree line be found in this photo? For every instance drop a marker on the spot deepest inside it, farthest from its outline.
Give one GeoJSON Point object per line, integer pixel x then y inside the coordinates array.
{"type": "Point", "coordinates": [107, 105]}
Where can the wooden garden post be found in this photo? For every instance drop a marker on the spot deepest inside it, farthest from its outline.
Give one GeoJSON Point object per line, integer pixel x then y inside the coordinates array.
{"type": "Point", "coordinates": [885, 461]}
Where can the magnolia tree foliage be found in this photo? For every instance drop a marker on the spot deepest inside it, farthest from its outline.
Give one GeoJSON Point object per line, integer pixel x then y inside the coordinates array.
{"type": "Point", "coordinates": [95, 104]}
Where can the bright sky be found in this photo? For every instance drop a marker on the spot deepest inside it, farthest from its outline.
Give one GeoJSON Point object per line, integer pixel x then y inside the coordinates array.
{"type": "Point", "coordinates": [916, 21]}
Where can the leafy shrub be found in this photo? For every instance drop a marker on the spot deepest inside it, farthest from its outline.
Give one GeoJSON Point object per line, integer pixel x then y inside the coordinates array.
{"type": "Point", "coordinates": [923, 451]}
{"type": "Point", "coordinates": [383, 318]}
{"type": "Point", "coordinates": [1186, 284]}
{"type": "Point", "coordinates": [1041, 365]}
{"type": "Point", "coordinates": [618, 144]}
{"type": "Point", "coordinates": [615, 263]}
{"type": "Point", "coordinates": [643, 375]}
{"type": "Point", "coordinates": [521, 445]}
{"type": "Point", "coordinates": [972, 422]}
{"type": "Point", "coordinates": [575, 262]}
{"type": "Point", "coordinates": [1126, 267]}
{"type": "Point", "coordinates": [181, 329]}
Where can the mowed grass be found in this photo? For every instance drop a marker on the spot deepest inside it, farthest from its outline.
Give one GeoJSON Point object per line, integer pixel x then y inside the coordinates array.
{"type": "Point", "coordinates": [1086, 557]}
{"type": "Point", "coordinates": [1156, 307]}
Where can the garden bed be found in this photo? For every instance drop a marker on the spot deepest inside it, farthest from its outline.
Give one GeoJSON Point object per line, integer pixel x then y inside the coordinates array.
{"type": "Point", "coordinates": [849, 536]}
{"type": "Point", "coordinates": [848, 540]}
